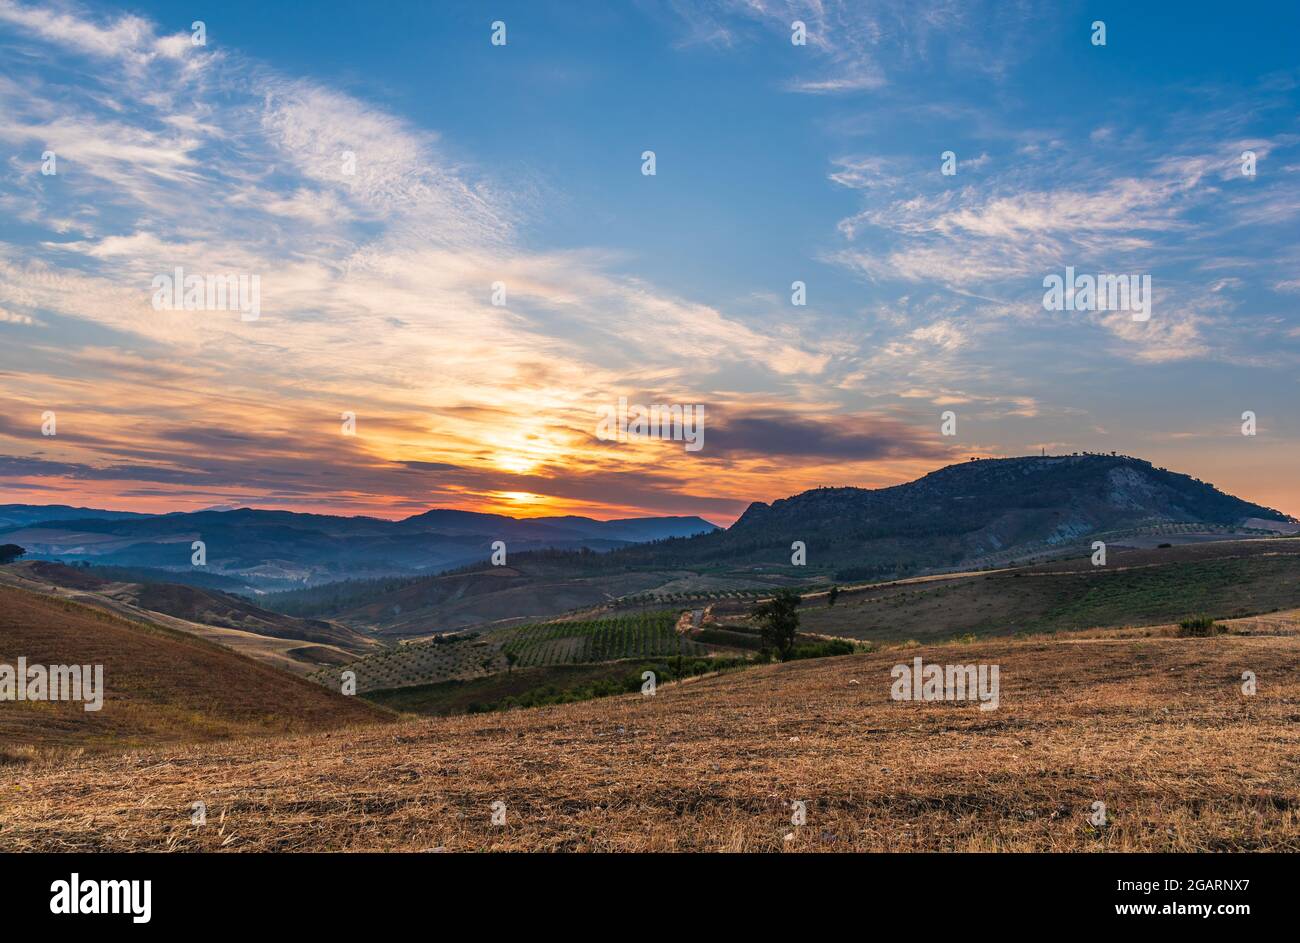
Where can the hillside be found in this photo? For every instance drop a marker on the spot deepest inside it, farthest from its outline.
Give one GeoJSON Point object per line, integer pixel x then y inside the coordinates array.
{"type": "Point", "coordinates": [162, 686]}
{"type": "Point", "coordinates": [990, 514]}
{"type": "Point", "coordinates": [1158, 729]}
{"type": "Point", "coordinates": [295, 645]}
{"type": "Point", "coordinates": [210, 607]}
{"type": "Point", "coordinates": [1136, 587]}
{"type": "Point", "coordinates": [540, 585]}
{"type": "Point", "coordinates": [979, 513]}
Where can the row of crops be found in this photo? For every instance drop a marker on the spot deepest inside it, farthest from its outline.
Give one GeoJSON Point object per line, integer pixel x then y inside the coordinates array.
{"type": "Point", "coordinates": [650, 634]}
{"type": "Point", "coordinates": [418, 663]}
{"type": "Point", "coordinates": [653, 598]}
{"type": "Point", "coordinates": [638, 635]}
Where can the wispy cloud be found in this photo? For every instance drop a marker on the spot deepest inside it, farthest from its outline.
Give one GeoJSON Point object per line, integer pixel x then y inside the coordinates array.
{"type": "Point", "coordinates": [376, 254]}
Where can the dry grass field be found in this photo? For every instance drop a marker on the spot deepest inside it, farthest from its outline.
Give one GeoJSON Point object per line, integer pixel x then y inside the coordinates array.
{"type": "Point", "coordinates": [286, 643]}
{"type": "Point", "coordinates": [162, 685]}
{"type": "Point", "coordinates": [1156, 728]}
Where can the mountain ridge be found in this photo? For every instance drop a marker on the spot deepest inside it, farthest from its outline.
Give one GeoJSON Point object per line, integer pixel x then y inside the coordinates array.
{"type": "Point", "coordinates": [278, 549]}
{"type": "Point", "coordinates": [934, 481]}
{"type": "Point", "coordinates": [977, 513]}
{"type": "Point", "coordinates": [963, 513]}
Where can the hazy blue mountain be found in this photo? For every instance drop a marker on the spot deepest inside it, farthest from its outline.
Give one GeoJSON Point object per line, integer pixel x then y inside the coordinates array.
{"type": "Point", "coordinates": [272, 549]}
{"type": "Point", "coordinates": [22, 515]}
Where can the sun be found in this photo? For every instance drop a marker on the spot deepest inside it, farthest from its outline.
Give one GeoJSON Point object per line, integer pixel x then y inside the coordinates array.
{"type": "Point", "coordinates": [516, 463]}
{"type": "Point", "coordinates": [520, 497]}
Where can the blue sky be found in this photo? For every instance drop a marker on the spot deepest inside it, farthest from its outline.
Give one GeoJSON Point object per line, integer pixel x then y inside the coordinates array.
{"type": "Point", "coordinates": [774, 163]}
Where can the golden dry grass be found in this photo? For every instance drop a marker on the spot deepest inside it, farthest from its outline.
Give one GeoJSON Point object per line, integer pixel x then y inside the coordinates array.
{"type": "Point", "coordinates": [161, 686]}
{"type": "Point", "coordinates": [288, 654]}
{"type": "Point", "coordinates": [1157, 728]}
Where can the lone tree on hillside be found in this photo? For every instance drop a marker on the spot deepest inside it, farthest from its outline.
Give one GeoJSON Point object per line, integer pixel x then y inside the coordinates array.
{"type": "Point", "coordinates": [779, 620]}
{"type": "Point", "coordinates": [10, 552]}
{"type": "Point", "coordinates": [833, 595]}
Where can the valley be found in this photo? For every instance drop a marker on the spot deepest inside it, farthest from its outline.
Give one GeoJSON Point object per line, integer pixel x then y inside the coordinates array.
{"type": "Point", "coordinates": [625, 698]}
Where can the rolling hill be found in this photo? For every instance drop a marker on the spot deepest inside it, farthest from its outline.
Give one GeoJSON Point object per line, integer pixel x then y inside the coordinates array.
{"type": "Point", "coordinates": [990, 514]}
{"type": "Point", "coordinates": [211, 607]}
{"type": "Point", "coordinates": [162, 686]}
{"type": "Point", "coordinates": [297, 645]}
{"type": "Point", "coordinates": [1136, 587]}
{"type": "Point", "coordinates": [534, 589]}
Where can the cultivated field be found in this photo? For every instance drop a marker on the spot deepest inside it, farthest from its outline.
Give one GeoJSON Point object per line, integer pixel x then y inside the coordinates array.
{"type": "Point", "coordinates": [536, 645]}
{"type": "Point", "coordinates": [1156, 728]}
{"type": "Point", "coordinates": [646, 634]}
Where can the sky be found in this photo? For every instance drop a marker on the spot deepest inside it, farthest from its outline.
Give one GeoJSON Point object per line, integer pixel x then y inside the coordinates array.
{"type": "Point", "coordinates": [456, 242]}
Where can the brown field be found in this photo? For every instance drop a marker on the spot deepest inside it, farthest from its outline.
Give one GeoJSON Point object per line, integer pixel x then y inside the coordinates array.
{"type": "Point", "coordinates": [1156, 728]}
{"type": "Point", "coordinates": [162, 686]}
{"type": "Point", "coordinates": [297, 645]}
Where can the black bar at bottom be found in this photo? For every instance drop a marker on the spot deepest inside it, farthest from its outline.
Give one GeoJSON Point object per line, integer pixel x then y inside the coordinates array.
{"type": "Point", "coordinates": [653, 892]}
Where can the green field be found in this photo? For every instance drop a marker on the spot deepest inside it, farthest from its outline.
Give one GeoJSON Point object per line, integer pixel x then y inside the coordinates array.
{"type": "Point", "coordinates": [641, 635]}
{"type": "Point", "coordinates": [474, 655]}
{"type": "Point", "coordinates": [1065, 597]}
{"type": "Point", "coordinates": [552, 684]}
{"type": "Point", "coordinates": [442, 659]}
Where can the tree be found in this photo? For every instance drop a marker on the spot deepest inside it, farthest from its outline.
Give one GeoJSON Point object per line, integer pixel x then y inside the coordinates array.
{"type": "Point", "coordinates": [778, 618]}
{"type": "Point", "coordinates": [10, 552]}
{"type": "Point", "coordinates": [833, 595]}
{"type": "Point", "coordinates": [511, 658]}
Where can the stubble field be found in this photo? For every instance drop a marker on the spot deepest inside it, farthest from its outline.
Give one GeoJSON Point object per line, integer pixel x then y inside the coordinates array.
{"type": "Point", "coordinates": [1158, 729]}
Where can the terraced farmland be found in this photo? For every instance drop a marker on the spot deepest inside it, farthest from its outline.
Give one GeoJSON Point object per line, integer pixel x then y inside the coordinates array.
{"type": "Point", "coordinates": [448, 659]}
{"type": "Point", "coordinates": [538, 644]}
{"type": "Point", "coordinates": [565, 643]}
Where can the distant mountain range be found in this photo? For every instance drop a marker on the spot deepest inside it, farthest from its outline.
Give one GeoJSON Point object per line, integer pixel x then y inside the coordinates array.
{"type": "Point", "coordinates": [982, 513]}
{"type": "Point", "coordinates": [277, 549]}
{"type": "Point", "coordinates": [974, 515]}
{"type": "Point", "coordinates": [20, 515]}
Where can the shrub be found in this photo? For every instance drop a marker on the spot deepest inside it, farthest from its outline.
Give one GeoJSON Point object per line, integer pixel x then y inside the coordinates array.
{"type": "Point", "coordinates": [1199, 627]}
{"type": "Point", "coordinates": [728, 637]}
{"type": "Point", "coordinates": [827, 649]}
